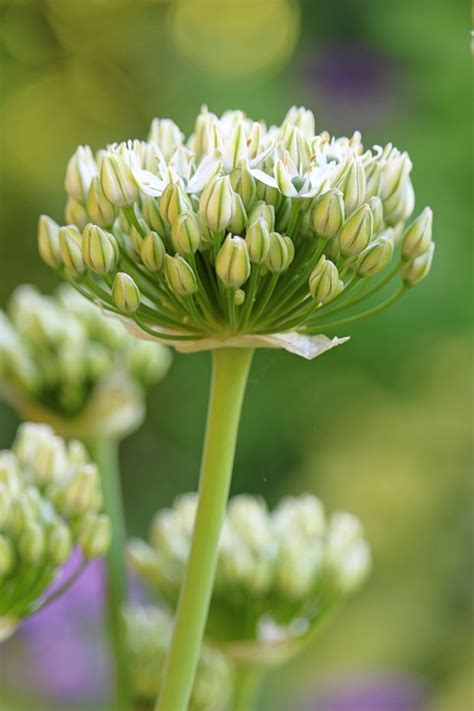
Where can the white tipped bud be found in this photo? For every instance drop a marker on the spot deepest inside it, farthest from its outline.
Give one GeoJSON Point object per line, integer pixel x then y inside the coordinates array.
{"type": "Point", "coordinates": [82, 492]}
{"type": "Point", "coordinates": [173, 202]}
{"type": "Point", "coordinates": [79, 173]}
{"type": "Point", "coordinates": [117, 181]}
{"type": "Point", "coordinates": [324, 282]}
{"type": "Point", "coordinates": [125, 293]}
{"type": "Point", "coordinates": [180, 276]}
{"type": "Point", "coordinates": [395, 172]}
{"type": "Point", "coordinates": [417, 237]}
{"type": "Point", "coordinates": [258, 241]}
{"type": "Point", "coordinates": [94, 535]}
{"type": "Point", "coordinates": [100, 210]}
{"type": "Point", "coordinates": [75, 213]}
{"type": "Point", "coordinates": [48, 242]}
{"type": "Point", "coordinates": [376, 205]}
{"type": "Point", "coordinates": [239, 218]}
{"type": "Point", "coordinates": [153, 252]}
{"type": "Point", "coordinates": [373, 176]}
{"type": "Point", "coordinates": [186, 233]}
{"type": "Point", "coordinates": [216, 203]}
{"type": "Point", "coordinates": [375, 257]}
{"type": "Point", "coordinates": [357, 231]}
{"type": "Point", "coordinates": [70, 243]}
{"type": "Point", "coordinates": [233, 263]}
{"type": "Point", "coordinates": [353, 186]}
{"type": "Point", "coordinates": [99, 249]}
{"type": "Point", "coordinates": [263, 211]}
{"type": "Point", "coordinates": [415, 271]}
{"type": "Point", "coordinates": [280, 253]}
{"type": "Point", "coordinates": [327, 215]}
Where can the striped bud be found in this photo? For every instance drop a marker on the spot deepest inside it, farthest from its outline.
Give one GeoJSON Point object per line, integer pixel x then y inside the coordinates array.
{"type": "Point", "coordinates": [48, 242]}
{"type": "Point", "coordinates": [117, 181]}
{"type": "Point", "coordinates": [100, 210]}
{"type": "Point", "coordinates": [417, 237]}
{"type": "Point", "coordinates": [415, 271]}
{"type": "Point", "coordinates": [125, 293]}
{"type": "Point", "coordinates": [186, 233]}
{"type": "Point", "coordinates": [258, 241]}
{"type": "Point", "coordinates": [327, 215]}
{"type": "Point", "coordinates": [216, 204]}
{"type": "Point", "coordinates": [324, 282]}
{"type": "Point", "coordinates": [357, 231]}
{"type": "Point", "coordinates": [233, 263]}
{"type": "Point", "coordinates": [99, 249]}
{"type": "Point", "coordinates": [180, 276]}
{"type": "Point", "coordinates": [153, 252]}
{"type": "Point", "coordinates": [70, 243]}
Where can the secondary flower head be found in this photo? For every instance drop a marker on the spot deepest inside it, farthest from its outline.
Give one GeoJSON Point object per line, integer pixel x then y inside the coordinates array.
{"type": "Point", "coordinates": [50, 501]}
{"type": "Point", "coordinates": [278, 571]}
{"type": "Point", "coordinates": [148, 633]}
{"type": "Point", "coordinates": [218, 239]}
{"type": "Point", "coordinates": [63, 362]}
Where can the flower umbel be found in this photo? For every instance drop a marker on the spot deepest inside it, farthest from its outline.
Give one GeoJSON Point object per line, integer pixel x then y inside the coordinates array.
{"type": "Point", "coordinates": [50, 501]}
{"type": "Point", "coordinates": [218, 240]}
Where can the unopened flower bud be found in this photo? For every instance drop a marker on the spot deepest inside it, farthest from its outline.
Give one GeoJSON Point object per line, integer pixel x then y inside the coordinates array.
{"type": "Point", "coordinates": [167, 136]}
{"type": "Point", "coordinates": [82, 492]}
{"type": "Point", "coordinates": [94, 535]}
{"type": "Point", "coordinates": [239, 219]}
{"type": "Point", "coordinates": [400, 205]}
{"type": "Point", "coordinates": [417, 237]}
{"type": "Point", "coordinates": [186, 233]}
{"type": "Point", "coordinates": [258, 241]}
{"type": "Point", "coordinates": [173, 202]}
{"type": "Point", "coordinates": [327, 215]}
{"type": "Point", "coordinates": [48, 242]}
{"type": "Point", "coordinates": [100, 210]}
{"type": "Point", "coordinates": [415, 271]}
{"type": "Point", "coordinates": [352, 184]}
{"type": "Point", "coordinates": [153, 252]}
{"type": "Point", "coordinates": [75, 213]}
{"type": "Point", "coordinates": [324, 282]}
{"type": "Point", "coordinates": [233, 263]}
{"type": "Point", "coordinates": [375, 257]}
{"type": "Point", "coordinates": [7, 556]}
{"type": "Point", "coordinates": [280, 253]}
{"type": "Point", "coordinates": [70, 243]}
{"type": "Point", "coordinates": [79, 173]}
{"type": "Point", "coordinates": [243, 183]}
{"type": "Point", "coordinates": [268, 194]}
{"type": "Point", "coordinates": [264, 211]}
{"type": "Point", "coordinates": [216, 203]}
{"type": "Point", "coordinates": [117, 181]}
{"type": "Point", "coordinates": [239, 297]}
{"type": "Point", "coordinates": [125, 293]}
{"type": "Point", "coordinates": [357, 231]}
{"type": "Point", "coordinates": [375, 204]}
{"type": "Point", "coordinates": [151, 214]}
{"type": "Point", "coordinates": [59, 543]}
{"type": "Point", "coordinates": [180, 276]}
{"type": "Point", "coordinates": [372, 179]}
{"type": "Point", "coordinates": [283, 215]}
{"type": "Point", "coordinates": [395, 171]}
{"type": "Point", "coordinates": [32, 543]}
{"type": "Point", "coordinates": [5, 504]}
{"type": "Point", "coordinates": [99, 249]}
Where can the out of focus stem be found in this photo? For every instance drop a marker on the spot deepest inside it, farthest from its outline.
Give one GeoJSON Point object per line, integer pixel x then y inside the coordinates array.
{"type": "Point", "coordinates": [246, 686]}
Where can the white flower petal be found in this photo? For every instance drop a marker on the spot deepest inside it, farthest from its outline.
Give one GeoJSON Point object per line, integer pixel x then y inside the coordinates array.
{"type": "Point", "coordinates": [208, 169]}
{"type": "Point", "coordinates": [263, 177]}
{"type": "Point", "coordinates": [148, 183]}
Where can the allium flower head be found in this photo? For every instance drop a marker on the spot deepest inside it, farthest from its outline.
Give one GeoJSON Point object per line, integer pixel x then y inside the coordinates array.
{"type": "Point", "coordinates": [148, 633]}
{"type": "Point", "coordinates": [278, 572]}
{"type": "Point", "coordinates": [63, 362]}
{"type": "Point", "coordinates": [240, 235]}
{"type": "Point", "coordinates": [50, 501]}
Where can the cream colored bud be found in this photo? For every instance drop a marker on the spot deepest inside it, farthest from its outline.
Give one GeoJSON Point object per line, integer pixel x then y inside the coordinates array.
{"type": "Point", "coordinates": [375, 257]}
{"type": "Point", "coordinates": [153, 252]}
{"type": "Point", "coordinates": [353, 186]}
{"type": "Point", "coordinates": [327, 215]}
{"type": "Point", "coordinates": [79, 173]}
{"type": "Point", "coordinates": [417, 237]}
{"type": "Point", "coordinates": [239, 218]}
{"type": "Point", "coordinates": [415, 271]}
{"type": "Point", "coordinates": [180, 276]}
{"type": "Point", "coordinates": [373, 176]}
{"type": "Point", "coordinates": [243, 183]}
{"type": "Point", "coordinates": [216, 204]}
{"type": "Point", "coordinates": [100, 210]}
{"type": "Point", "coordinates": [375, 204]}
{"type": "Point", "coordinates": [75, 213]}
{"type": "Point", "coordinates": [125, 293]}
{"type": "Point", "coordinates": [99, 249]}
{"type": "Point", "coordinates": [94, 535]}
{"type": "Point", "coordinates": [233, 263]}
{"type": "Point", "coordinates": [263, 211]}
{"type": "Point", "coordinates": [151, 214]}
{"type": "Point", "coordinates": [173, 202]}
{"type": "Point", "coordinates": [324, 282]}
{"type": "Point", "coordinates": [357, 231]}
{"type": "Point", "coordinates": [280, 253]}
{"type": "Point", "coordinates": [82, 492]}
{"type": "Point", "coordinates": [395, 171]}
{"type": "Point", "coordinates": [59, 543]}
{"type": "Point", "coordinates": [186, 233]}
{"type": "Point", "coordinates": [268, 194]}
{"type": "Point", "coordinates": [258, 241]}
{"type": "Point", "coordinates": [117, 181]}
{"type": "Point", "coordinates": [70, 243]}
{"type": "Point", "coordinates": [48, 242]}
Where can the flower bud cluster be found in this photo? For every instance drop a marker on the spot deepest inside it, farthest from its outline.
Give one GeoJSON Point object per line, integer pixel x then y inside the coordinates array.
{"type": "Point", "coordinates": [61, 354]}
{"type": "Point", "coordinates": [242, 229]}
{"type": "Point", "coordinates": [285, 565]}
{"type": "Point", "coordinates": [50, 501]}
{"type": "Point", "coordinates": [148, 634]}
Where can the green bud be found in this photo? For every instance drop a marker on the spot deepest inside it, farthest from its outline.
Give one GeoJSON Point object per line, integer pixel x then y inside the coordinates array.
{"type": "Point", "coordinates": [217, 203]}
{"type": "Point", "coordinates": [173, 202]}
{"type": "Point", "coordinates": [48, 242]}
{"type": "Point", "coordinates": [243, 183]}
{"type": "Point", "coordinates": [180, 276]}
{"type": "Point", "coordinates": [264, 211]}
{"type": "Point", "coordinates": [280, 253]}
{"type": "Point", "coordinates": [375, 204]}
{"type": "Point", "coordinates": [186, 234]}
{"type": "Point", "coordinates": [151, 214]}
{"type": "Point", "coordinates": [99, 249]}
{"type": "Point", "coordinates": [268, 194]}
{"type": "Point", "coordinates": [75, 213]}
{"type": "Point", "coordinates": [373, 176]}
{"type": "Point", "coordinates": [117, 181]}
{"type": "Point", "coordinates": [79, 173]}
{"type": "Point", "coordinates": [353, 186]}
{"type": "Point", "coordinates": [70, 243]}
{"type": "Point", "coordinates": [153, 252]}
{"type": "Point", "coordinates": [415, 271]}
{"type": "Point", "coordinates": [125, 293]}
{"type": "Point", "coordinates": [59, 543]}
{"type": "Point", "coordinates": [233, 263]}
{"type": "Point", "coordinates": [239, 218]}
{"type": "Point", "coordinates": [94, 535]}
{"type": "Point", "coordinates": [32, 543]}
{"type": "Point", "coordinates": [7, 556]}
{"type": "Point", "coordinates": [239, 297]}
{"type": "Point", "coordinates": [357, 231]}
{"type": "Point", "coordinates": [100, 210]}
{"type": "Point", "coordinates": [324, 282]}
{"type": "Point", "coordinates": [375, 257]}
{"type": "Point", "coordinates": [284, 214]}
{"type": "Point", "coordinates": [258, 241]}
{"type": "Point", "coordinates": [21, 515]}
{"type": "Point", "coordinates": [327, 215]}
{"type": "Point", "coordinates": [417, 237]}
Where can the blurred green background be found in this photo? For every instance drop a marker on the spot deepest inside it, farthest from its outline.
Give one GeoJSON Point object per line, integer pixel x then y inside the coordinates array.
{"type": "Point", "coordinates": [381, 426]}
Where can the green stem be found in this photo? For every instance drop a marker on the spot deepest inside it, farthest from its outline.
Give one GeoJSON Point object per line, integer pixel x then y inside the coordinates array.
{"type": "Point", "coordinates": [229, 378]}
{"type": "Point", "coordinates": [246, 686]}
{"type": "Point", "coordinates": [105, 453]}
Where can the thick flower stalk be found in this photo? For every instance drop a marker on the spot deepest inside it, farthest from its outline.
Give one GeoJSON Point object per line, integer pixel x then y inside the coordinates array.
{"type": "Point", "coordinates": [278, 574]}
{"type": "Point", "coordinates": [148, 633]}
{"type": "Point", "coordinates": [50, 501]}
